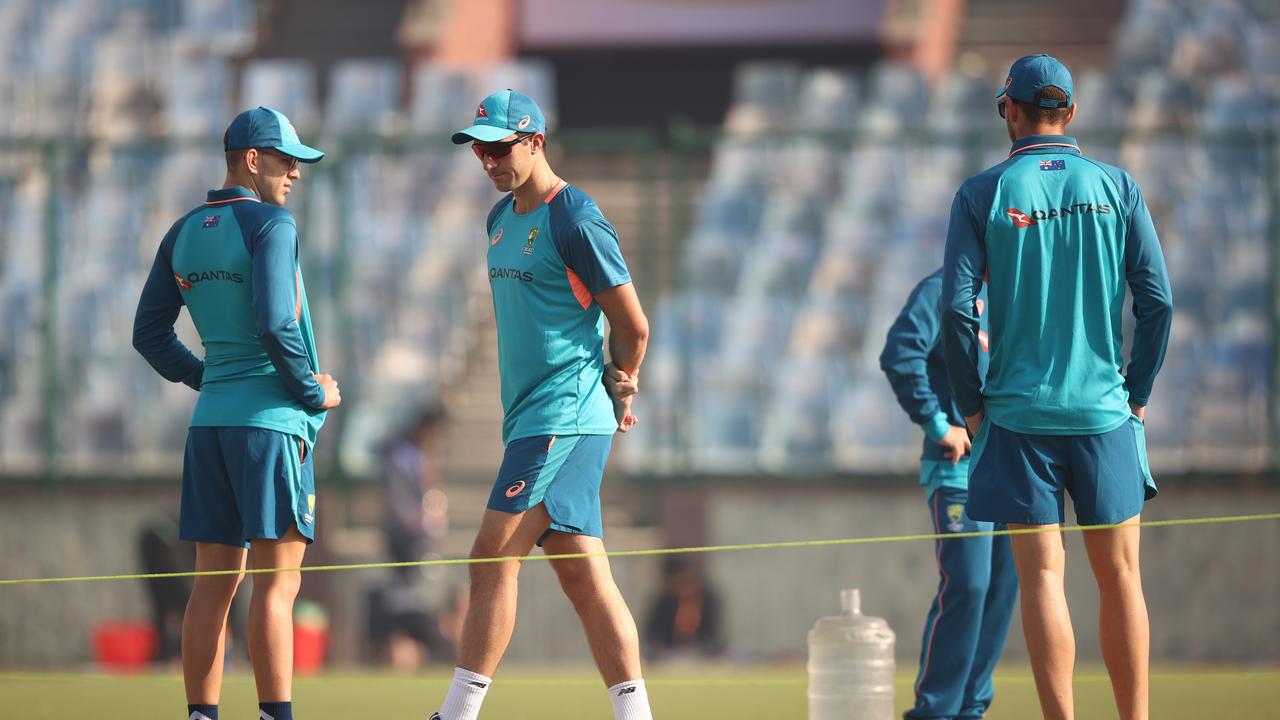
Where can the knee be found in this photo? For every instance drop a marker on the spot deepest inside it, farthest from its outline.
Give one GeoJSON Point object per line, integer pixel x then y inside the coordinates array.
{"type": "Point", "coordinates": [1118, 576]}
{"type": "Point", "coordinates": [279, 586]}
{"type": "Point", "coordinates": [577, 579]}
{"type": "Point", "coordinates": [485, 576]}
{"type": "Point", "coordinates": [221, 588]}
{"type": "Point", "coordinates": [967, 591]}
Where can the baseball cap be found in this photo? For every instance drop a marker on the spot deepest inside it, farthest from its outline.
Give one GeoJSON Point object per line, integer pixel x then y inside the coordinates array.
{"type": "Point", "coordinates": [263, 127]}
{"type": "Point", "coordinates": [1031, 74]}
{"type": "Point", "coordinates": [501, 114]}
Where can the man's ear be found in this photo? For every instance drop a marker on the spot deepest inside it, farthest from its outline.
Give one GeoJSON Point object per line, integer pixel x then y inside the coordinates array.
{"type": "Point", "coordinates": [252, 160]}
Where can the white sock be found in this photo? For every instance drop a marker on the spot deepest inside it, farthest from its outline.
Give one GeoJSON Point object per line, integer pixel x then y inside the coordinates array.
{"type": "Point", "coordinates": [630, 701]}
{"type": "Point", "coordinates": [466, 693]}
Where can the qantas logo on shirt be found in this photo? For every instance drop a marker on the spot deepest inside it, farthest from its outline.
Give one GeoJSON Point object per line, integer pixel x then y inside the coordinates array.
{"type": "Point", "coordinates": [510, 274]}
{"type": "Point", "coordinates": [190, 279]}
{"type": "Point", "coordinates": [1022, 220]}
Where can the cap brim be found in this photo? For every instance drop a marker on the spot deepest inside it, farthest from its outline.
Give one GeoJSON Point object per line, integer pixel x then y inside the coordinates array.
{"type": "Point", "coordinates": [1002, 91]}
{"type": "Point", "coordinates": [483, 133]}
{"type": "Point", "coordinates": [304, 153]}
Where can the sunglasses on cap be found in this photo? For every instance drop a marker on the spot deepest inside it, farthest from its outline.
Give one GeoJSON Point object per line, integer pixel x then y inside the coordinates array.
{"type": "Point", "coordinates": [499, 149]}
{"type": "Point", "coordinates": [290, 162]}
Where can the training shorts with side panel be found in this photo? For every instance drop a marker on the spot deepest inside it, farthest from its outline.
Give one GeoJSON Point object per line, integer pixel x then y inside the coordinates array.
{"type": "Point", "coordinates": [245, 483]}
{"type": "Point", "coordinates": [561, 471]}
{"type": "Point", "coordinates": [1020, 479]}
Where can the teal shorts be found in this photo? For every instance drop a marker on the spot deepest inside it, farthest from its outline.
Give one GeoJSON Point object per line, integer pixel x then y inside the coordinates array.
{"type": "Point", "coordinates": [245, 483]}
{"type": "Point", "coordinates": [561, 471]}
{"type": "Point", "coordinates": [1023, 479]}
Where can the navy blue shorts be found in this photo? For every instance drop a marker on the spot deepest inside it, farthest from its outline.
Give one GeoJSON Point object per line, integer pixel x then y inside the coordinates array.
{"type": "Point", "coordinates": [561, 471]}
{"type": "Point", "coordinates": [245, 483]}
{"type": "Point", "coordinates": [1021, 479]}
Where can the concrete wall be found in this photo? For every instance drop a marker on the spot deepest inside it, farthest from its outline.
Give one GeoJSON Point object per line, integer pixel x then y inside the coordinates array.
{"type": "Point", "coordinates": [1211, 589]}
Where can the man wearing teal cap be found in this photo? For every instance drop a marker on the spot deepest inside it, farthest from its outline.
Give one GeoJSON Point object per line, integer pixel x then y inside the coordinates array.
{"type": "Point", "coordinates": [248, 479]}
{"type": "Point", "coordinates": [556, 272]}
{"type": "Point", "coordinates": [1056, 237]}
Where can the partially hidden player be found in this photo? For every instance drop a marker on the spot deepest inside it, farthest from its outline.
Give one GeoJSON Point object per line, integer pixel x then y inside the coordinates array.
{"type": "Point", "coordinates": [968, 620]}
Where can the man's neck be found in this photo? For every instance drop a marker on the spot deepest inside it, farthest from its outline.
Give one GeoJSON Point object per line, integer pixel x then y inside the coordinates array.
{"type": "Point", "coordinates": [534, 190]}
{"type": "Point", "coordinates": [236, 181]}
{"type": "Point", "coordinates": [1041, 130]}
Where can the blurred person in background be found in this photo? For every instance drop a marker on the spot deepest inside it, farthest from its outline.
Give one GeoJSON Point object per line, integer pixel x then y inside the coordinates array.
{"type": "Point", "coordinates": [1056, 236]}
{"type": "Point", "coordinates": [684, 621]}
{"type": "Point", "coordinates": [161, 551]}
{"type": "Point", "coordinates": [415, 512]}
{"type": "Point", "coordinates": [968, 622]}
{"type": "Point", "coordinates": [248, 481]}
{"type": "Point", "coordinates": [556, 272]}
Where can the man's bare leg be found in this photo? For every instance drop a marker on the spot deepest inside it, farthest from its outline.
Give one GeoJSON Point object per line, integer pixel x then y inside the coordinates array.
{"type": "Point", "coordinates": [1123, 623]}
{"type": "Point", "coordinates": [204, 623]}
{"type": "Point", "coordinates": [1046, 622]}
{"type": "Point", "coordinates": [271, 615]}
{"type": "Point", "coordinates": [588, 582]}
{"type": "Point", "coordinates": [491, 614]}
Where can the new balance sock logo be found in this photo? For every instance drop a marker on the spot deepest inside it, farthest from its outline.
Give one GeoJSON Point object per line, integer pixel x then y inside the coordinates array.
{"type": "Point", "coordinates": [626, 691]}
{"type": "Point", "coordinates": [480, 685]}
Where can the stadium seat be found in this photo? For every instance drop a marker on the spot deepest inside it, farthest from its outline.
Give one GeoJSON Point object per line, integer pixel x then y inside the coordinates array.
{"type": "Point", "coordinates": [364, 97]}
{"type": "Point", "coordinates": [286, 85]}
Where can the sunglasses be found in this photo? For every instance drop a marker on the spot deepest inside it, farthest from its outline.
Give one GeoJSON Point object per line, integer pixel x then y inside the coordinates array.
{"type": "Point", "coordinates": [290, 162]}
{"type": "Point", "coordinates": [1000, 108]}
{"type": "Point", "coordinates": [497, 150]}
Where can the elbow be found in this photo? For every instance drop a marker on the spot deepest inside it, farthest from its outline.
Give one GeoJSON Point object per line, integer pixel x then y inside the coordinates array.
{"type": "Point", "coordinates": [642, 331]}
{"type": "Point", "coordinates": [636, 331]}
{"type": "Point", "coordinates": [143, 342]}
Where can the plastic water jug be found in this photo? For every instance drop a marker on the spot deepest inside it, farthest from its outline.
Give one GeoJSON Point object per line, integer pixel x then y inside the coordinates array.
{"type": "Point", "coordinates": [851, 665]}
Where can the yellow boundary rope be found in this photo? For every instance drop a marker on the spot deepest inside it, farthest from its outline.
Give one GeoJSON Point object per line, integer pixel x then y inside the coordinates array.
{"type": "Point", "coordinates": [659, 551]}
{"type": "Point", "coordinates": [793, 678]}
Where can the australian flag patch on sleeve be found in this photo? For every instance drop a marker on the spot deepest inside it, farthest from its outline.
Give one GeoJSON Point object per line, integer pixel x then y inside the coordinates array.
{"type": "Point", "coordinates": [211, 221]}
{"type": "Point", "coordinates": [1053, 165]}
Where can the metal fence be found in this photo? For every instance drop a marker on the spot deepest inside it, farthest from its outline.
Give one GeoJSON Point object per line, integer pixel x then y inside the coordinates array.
{"type": "Point", "coordinates": [770, 266]}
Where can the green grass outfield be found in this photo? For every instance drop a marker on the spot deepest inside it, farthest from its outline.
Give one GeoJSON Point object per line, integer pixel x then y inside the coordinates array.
{"type": "Point", "coordinates": [704, 693]}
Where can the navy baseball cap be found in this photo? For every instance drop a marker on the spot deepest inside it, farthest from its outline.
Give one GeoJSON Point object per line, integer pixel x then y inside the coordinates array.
{"type": "Point", "coordinates": [501, 114]}
{"type": "Point", "coordinates": [1033, 73]}
{"type": "Point", "coordinates": [263, 127]}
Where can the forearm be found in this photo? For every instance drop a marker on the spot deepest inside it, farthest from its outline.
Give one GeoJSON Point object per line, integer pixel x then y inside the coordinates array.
{"type": "Point", "coordinates": [170, 358]}
{"type": "Point", "coordinates": [288, 355]}
{"type": "Point", "coordinates": [627, 346]}
{"type": "Point", "coordinates": [155, 340]}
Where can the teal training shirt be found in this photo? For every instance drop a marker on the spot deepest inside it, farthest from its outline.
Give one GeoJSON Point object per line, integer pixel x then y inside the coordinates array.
{"type": "Point", "coordinates": [545, 267]}
{"type": "Point", "coordinates": [233, 262]}
{"type": "Point", "coordinates": [1055, 236]}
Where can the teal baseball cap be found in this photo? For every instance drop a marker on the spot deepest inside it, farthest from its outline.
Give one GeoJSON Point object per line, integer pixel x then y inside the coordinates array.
{"type": "Point", "coordinates": [501, 114]}
{"type": "Point", "coordinates": [1030, 74]}
{"type": "Point", "coordinates": [263, 127]}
